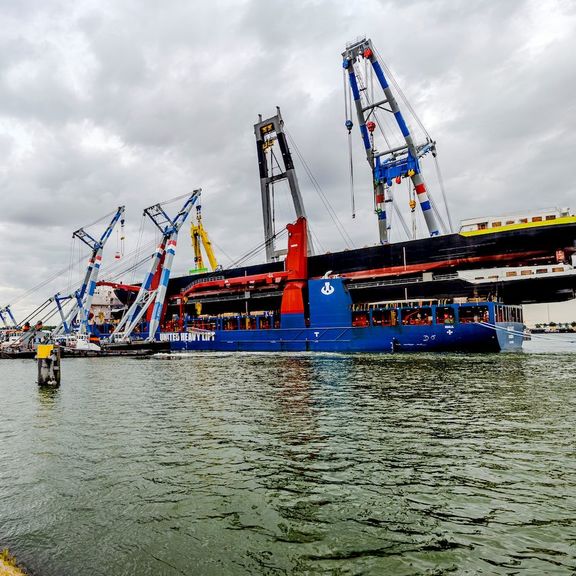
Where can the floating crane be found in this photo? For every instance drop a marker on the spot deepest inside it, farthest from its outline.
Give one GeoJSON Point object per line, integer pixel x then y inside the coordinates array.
{"type": "Point", "coordinates": [83, 297]}
{"type": "Point", "coordinates": [200, 238]}
{"type": "Point", "coordinates": [393, 163]}
{"type": "Point", "coordinates": [160, 267]}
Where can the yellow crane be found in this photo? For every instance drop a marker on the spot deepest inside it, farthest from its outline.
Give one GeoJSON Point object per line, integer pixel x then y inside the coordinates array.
{"type": "Point", "coordinates": [200, 238]}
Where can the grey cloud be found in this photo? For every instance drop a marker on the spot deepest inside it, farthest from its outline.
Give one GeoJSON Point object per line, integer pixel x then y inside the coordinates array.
{"type": "Point", "coordinates": [135, 102]}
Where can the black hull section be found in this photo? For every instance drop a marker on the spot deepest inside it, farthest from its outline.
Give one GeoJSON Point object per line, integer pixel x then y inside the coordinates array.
{"type": "Point", "coordinates": [522, 291]}
{"type": "Point", "coordinates": [441, 255]}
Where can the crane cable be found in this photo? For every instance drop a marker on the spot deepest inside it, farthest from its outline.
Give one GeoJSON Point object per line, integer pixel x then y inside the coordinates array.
{"type": "Point", "coordinates": [251, 253]}
{"type": "Point", "coordinates": [423, 128]}
{"type": "Point", "coordinates": [348, 124]}
{"type": "Point", "coordinates": [443, 190]}
{"type": "Point", "coordinates": [318, 189]}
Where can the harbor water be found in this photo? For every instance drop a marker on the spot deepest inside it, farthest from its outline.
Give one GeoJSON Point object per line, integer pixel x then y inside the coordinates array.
{"type": "Point", "coordinates": [278, 464]}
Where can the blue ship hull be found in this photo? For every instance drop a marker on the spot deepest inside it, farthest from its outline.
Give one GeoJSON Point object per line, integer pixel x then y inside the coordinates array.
{"type": "Point", "coordinates": [434, 338]}
{"type": "Point", "coordinates": [334, 325]}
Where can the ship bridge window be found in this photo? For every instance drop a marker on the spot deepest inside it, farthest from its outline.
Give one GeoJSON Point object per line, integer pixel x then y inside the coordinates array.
{"type": "Point", "coordinates": [516, 314]}
{"type": "Point", "coordinates": [508, 222]}
{"type": "Point", "coordinates": [360, 319]}
{"type": "Point", "coordinates": [474, 314]}
{"type": "Point", "coordinates": [416, 316]}
{"type": "Point", "coordinates": [496, 224]}
{"type": "Point", "coordinates": [384, 318]}
{"type": "Point", "coordinates": [482, 225]}
{"type": "Point", "coordinates": [444, 315]}
{"type": "Point", "coordinates": [230, 323]}
{"type": "Point", "coordinates": [551, 217]}
{"type": "Point", "coordinates": [203, 323]}
{"type": "Point", "coordinates": [537, 219]}
{"type": "Point", "coordinates": [266, 322]}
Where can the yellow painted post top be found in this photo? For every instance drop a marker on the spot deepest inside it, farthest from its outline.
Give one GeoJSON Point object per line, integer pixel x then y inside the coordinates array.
{"type": "Point", "coordinates": [44, 350]}
{"type": "Point", "coordinates": [8, 565]}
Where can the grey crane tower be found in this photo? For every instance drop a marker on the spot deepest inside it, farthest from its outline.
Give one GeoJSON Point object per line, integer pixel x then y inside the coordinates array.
{"type": "Point", "coordinates": [267, 133]}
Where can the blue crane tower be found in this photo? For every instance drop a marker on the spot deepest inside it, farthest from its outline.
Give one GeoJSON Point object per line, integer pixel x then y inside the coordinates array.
{"type": "Point", "coordinates": [268, 132]}
{"type": "Point", "coordinates": [395, 163]}
{"type": "Point", "coordinates": [83, 297]}
{"type": "Point", "coordinates": [6, 312]}
{"type": "Point", "coordinates": [161, 260]}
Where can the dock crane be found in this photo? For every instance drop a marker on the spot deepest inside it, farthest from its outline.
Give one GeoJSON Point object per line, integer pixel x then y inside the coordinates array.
{"type": "Point", "coordinates": [161, 263]}
{"type": "Point", "coordinates": [7, 313]}
{"type": "Point", "coordinates": [82, 298]}
{"type": "Point", "coordinates": [395, 162]}
{"type": "Point", "coordinates": [200, 238]}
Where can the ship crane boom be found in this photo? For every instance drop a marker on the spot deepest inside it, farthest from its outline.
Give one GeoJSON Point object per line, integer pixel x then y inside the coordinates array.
{"type": "Point", "coordinates": [84, 295]}
{"type": "Point", "coordinates": [394, 163]}
{"type": "Point", "coordinates": [6, 312]}
{"type": "Point", "coordinates": [161, 263]}
{"type": "Point", "coordinates": [268, 132]}
{"type": "Point", "coordinates": [200, 238]}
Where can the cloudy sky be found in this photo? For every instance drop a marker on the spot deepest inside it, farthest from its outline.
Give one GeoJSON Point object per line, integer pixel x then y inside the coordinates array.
{"type": "Point", "coordinates": [133, 102]}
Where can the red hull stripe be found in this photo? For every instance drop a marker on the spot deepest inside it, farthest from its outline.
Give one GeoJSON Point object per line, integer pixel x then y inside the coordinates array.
{"type": "Point", "coordinates": [423, 267]}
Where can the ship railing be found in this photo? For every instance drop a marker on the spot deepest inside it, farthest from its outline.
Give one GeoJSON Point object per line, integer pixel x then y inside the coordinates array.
{"type": "Point", "coordinates": [389, 282]}
{"type": "Point", "coordinates": [202, 281]}
{"type": "Point", "coordinates": [445, 276]}
{"type": "Point", "coordinates": [400, 281]}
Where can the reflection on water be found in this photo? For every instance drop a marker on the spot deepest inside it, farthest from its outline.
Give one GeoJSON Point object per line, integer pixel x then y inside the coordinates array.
{"type": "Point", "coordinates": [219, 464]}
{"type": "Point", "coordinates": [47, 395]}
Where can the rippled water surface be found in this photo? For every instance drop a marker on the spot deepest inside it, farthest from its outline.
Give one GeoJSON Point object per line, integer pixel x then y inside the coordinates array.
{"type": "Point", "coordinates": [233, 464]}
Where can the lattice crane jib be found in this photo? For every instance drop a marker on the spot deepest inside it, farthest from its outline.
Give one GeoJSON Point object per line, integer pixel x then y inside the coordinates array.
{"type": "Point", "coordinates": [270, 132]}
{"type": "Point", "coordinates": [392, 164]}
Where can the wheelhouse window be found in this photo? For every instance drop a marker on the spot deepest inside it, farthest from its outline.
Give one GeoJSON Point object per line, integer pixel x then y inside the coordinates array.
{"type": "Point", "coordinates": [470, 314]}
{"type": "Point", "coordinates": [445, 315]}
{"type": "Point", "coordinates": [266, 322]}
{"type": "Point", "coordinates": [230, 323]}
{"type": "Point", "coordinates": [384, 318]}
{"type": "Point", "coordinates": [417, 316]}
{"type": "Point", "coordinates": [360, 319]}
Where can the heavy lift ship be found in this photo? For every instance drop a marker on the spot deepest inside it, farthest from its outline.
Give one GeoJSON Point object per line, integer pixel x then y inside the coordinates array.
{"type": "Point", "coordinates": [377, 290]}
{"type": "Point", "coordinates": [524, 258]}
{"type": "Point", "coordinates": [298, 313]}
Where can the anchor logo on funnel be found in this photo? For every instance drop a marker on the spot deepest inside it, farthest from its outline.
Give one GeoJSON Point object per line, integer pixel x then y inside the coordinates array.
{"type": "Point", "coordinates": [327, 289]}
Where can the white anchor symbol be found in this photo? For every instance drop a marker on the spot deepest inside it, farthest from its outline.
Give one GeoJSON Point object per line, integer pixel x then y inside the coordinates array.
{"type": "Point", "coordinates": [327, 289]}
